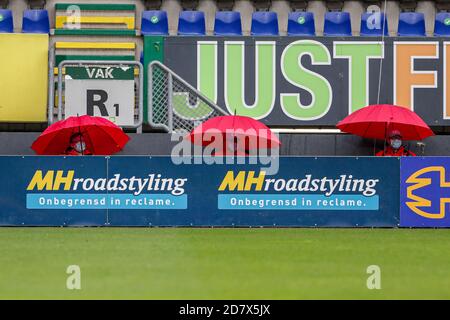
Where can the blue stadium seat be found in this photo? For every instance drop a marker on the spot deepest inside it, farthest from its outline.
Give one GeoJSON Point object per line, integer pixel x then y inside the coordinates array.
{"type": "Point", "coordinates": [337, 24]}
{"type": "Point", "coordinates": [6, 21]}
{"type": "Point", "coordinates": [264, 23]}
{"type": "Point", "coordinates": [154, 23]}
{"type": "Point", "coordinates": [301, 24]}
{"type": "Point", "coordinates": [228, 23]}
{"type": "Point", "coordinates": [411, 24]}
{"type": "Point", "coordinates": [372, 26]}
{"type": "Point", "coordinates": [35, 21]}
{"type": "Point", "coordinates": [442, 24]}
{"type": "Point", "coordinates": [192, 23]}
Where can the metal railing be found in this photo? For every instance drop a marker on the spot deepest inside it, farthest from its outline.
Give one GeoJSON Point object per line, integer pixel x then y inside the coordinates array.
{"type": "Point", "coordinates": [173, 104]}
{"type": "Point", "coordinates": [83, 63]}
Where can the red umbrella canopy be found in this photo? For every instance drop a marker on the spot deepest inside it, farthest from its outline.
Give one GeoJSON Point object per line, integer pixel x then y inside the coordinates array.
{"type": "Point", "coordinates": [255, 134]}
{"type": "Point", "coordinates": [377, 121]}
{"type": "Point", "coordinates": [101, 136]}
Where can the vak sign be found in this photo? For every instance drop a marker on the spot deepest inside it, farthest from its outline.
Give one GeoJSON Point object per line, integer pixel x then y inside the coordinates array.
{"type": "Point", "coordinates": [294, 81]}
{"type": "Point", "coordinates": [425, 192]}
{"type": "Point", "coordinates": [101, 91]}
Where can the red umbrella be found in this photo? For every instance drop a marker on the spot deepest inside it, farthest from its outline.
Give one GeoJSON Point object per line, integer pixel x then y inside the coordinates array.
{"type": "Point", "coordinates": [377, 121]}
{"type": "Point", "coordinates": [101, 136]}
{"type": "Point", "coordinates": [255, 134]}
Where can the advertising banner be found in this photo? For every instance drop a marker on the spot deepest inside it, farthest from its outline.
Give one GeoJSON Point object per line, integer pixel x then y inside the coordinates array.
{"type": "Point", "coordinates": [425, 192]}
{"type": "Point", "coordinates": [48, 183]}
{"type": "Point", "coordinates": [101, 91]}
{"type": "Point", "coordinates": [155, 191]}
{"type": "Point", "coordinates": [291, 81]}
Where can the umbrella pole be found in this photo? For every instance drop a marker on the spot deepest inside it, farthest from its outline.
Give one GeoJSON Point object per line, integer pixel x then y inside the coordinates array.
{"type": "Point", "coordinates": [81, 140]}
{"type": "Point", "coordinates": [81, 136]}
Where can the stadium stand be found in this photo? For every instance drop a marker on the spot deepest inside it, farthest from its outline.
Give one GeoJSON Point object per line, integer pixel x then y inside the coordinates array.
{"type": "Point", "coordinates": [94, 36]}
{"type": "Point", "coordinates": [442, 24]}
{"type": "Point", "coordinates": [191, 23]}
{"type": "Point", "coordinates": [301, 24]}
{"type": "Point", "coordinates": [411, 24]}
{"type": "Point", "coordinates": [65, 50]}
{"type": "Point", "coordinates": [264, 23]}
{"type": "Point", "coordinates": [123, 19]}
{"type": "Point", "coordinates": [373, 26]}
{"type": "Point", "coordinates": [36, 21]}
{"type": "Point", "coordinates": [154, 22]}
{"type": "Point", "coordinates": [337, 24]}
{"type": "Point", "coordinates": [95, 19]}
{"type": "Point", "coordinates": [228, 23]}
{"type": "Point", "coordinates": [6, 21]}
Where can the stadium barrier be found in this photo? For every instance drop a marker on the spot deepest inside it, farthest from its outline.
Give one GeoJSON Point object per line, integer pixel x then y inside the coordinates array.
{"type": "Point", "coordinates": [192, 192]}
{"type": "Point", "coordinates": [93, 19]}
{"type": "Point", "coordinates": [155, 191]}
{"type": "Point", "coordinates": [177, 106]}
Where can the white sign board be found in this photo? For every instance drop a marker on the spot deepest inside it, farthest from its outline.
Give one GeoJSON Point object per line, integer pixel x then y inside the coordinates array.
{"type": "Point", "coordinates": [96, 92]}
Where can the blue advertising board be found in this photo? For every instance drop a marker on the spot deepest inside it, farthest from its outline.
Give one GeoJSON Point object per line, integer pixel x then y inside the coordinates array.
{"type": "Point", "coordinates": [425, 192]}
{"type": "Point", "coordinates": [155, 191]}
{"type": "Point", "coordinates": [27, 181]}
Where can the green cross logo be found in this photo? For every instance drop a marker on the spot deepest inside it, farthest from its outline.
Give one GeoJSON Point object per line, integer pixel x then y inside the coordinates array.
{"type": "Point", "coordinates": [447, 21]}
{"type": "Point", "coordinates": [154, 19]}
{"type": "Point", "coordinates": [301, 20]}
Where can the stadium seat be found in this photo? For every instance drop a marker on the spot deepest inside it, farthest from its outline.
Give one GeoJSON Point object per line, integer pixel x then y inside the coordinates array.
{"type": "Point", "coordinates": [411, 24]}
{"type": "Point", "coordinates": [35, 21]}
{"type": "Point", "coordinates": [76, 50]}
{"type": "Point", "coordinates": [6, 21]}
{"type": "Point", "coordinates": [442, 24]}
{"type": "Point", "coordinates": [228, 23]}
{"type": "Point", "coordinates": [192, 23]}
{"type": "Point", "coordinates": [264, 23]}
{"type": "Point", "coordinates": [337, 24]}
{"type": "Point", "coordinates": [369, 27]}
{"type": "Point", "coordinates": [154, 23]}
{"type": "Point", "coordinates": [106, 19]}
{"type": "Point", "coordinates": [301, 24]}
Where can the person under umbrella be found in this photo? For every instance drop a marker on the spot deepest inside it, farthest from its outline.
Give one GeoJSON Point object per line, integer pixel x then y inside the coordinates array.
{"type": "Point", "coordinates": [395, 147]}
{"type": "Point", "coordinates": [390, 123]}
{"type": "Point", "coordinates": [81, 135]}
{"type": "Point", "coordinates": [236, 135]}
{"type": "Point", "coordinates": [77, 147]}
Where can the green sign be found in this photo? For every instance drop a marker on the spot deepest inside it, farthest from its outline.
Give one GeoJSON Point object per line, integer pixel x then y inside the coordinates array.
{"type": "Point", "coordinates": [447, 21]}
{"type": "Point", "coordinates": [1, 17]}
{"type": "Point", "coordinates": [301, 20]}
{"type": "Point", "coordinates": [100, 73]}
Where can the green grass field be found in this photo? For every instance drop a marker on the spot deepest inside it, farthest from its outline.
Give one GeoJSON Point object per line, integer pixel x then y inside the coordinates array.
{"type": "Point", "coordinates": [224, 263]}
